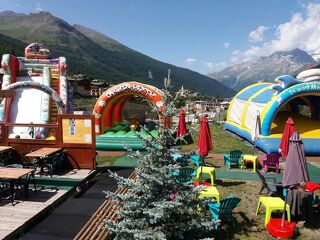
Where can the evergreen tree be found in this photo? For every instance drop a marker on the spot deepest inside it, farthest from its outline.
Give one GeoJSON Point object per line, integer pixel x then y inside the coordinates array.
{"type": "Point", "coordinates": [156, 206]}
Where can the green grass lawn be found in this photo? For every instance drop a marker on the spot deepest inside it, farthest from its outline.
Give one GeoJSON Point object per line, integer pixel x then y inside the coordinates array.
{"type": "Point", "coordinates": [103, 161]}
{"type": "Point", "coordinates": [223, 141]}
{"type": "Point", "coordinates": [249, 225]}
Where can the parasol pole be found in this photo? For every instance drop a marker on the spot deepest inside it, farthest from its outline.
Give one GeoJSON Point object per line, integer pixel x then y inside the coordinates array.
{"type": "Point", "coordinates": [254, 146]}
{"type": "Point", "coordinates": [284, 209]}
{"type": "Point", "coordinates": [201, 164]}
{"type": "Point", "coordinates": [180, 144]}
{"type": "Point", "coordinates": [256, 132]}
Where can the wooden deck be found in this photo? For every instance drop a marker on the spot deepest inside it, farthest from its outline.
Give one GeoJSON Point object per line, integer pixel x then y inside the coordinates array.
{"type": "Point", "coordinates": [16, 218]}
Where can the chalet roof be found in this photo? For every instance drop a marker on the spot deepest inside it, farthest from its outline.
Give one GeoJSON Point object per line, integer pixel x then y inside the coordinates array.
{"type": "Point", "coordinates": [99, 83]}
{"type": "Point", "coordinates": [75, 79]}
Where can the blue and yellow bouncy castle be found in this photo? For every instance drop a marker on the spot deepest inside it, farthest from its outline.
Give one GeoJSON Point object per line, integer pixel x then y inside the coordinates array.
{"type": "Point", "coordinates": [298, 98]}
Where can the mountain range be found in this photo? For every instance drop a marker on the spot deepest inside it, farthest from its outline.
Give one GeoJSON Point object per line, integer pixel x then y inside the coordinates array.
{"type": "Point", "coordinates": [94, 54]}
{"type": "Point", "coordinates": [264, 69]}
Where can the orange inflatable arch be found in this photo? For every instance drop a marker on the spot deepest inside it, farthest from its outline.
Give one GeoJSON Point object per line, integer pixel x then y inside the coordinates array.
{"type": "Point", "coordinates": [109, 106]}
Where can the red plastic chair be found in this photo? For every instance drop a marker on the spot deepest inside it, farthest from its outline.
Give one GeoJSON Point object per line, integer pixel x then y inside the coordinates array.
{"type": "Point", "coordinates": [311, 186]}
{"type": "Point", "coordinates": [271, 161]}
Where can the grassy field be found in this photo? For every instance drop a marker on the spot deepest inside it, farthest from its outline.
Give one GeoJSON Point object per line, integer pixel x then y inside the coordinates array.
{"type": "Point", "coordinates": [249, 225]}
{"type": "Point", "coordinates": [223, 141]}
{"type": "Point", "coordinates": [103, 161]}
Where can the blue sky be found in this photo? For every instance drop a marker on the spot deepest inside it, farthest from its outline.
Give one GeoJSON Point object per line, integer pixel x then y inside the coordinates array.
{"type": "Point", "coordinates": [202, 35]}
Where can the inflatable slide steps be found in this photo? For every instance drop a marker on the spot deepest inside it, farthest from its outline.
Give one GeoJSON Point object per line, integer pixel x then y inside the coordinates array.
{"type": "Point", "coordinates": [122, 126]}
{"type": "Point", "coordinates": [53, 106]}
{"type": "Point", "coordinates": [119, 147]}
{"type": "Point", "coordinates": [120, 140]}
{"type": "Point", "coordinates": [124, 134]}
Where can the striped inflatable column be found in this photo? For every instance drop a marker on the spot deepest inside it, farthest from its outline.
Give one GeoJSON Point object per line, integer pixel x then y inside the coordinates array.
{"type": "Point", "coordinates": [62, 83]}
{"type": "Point", "coordinates": [10, 67]}
{"type": "Point", "coordinates": [45, 98]}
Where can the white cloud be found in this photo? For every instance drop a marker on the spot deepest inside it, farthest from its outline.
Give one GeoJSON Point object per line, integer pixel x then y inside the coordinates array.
{"type": "Point", "coordinates": [210, 65]}
{"type": "Point", "coordinates": [190, 61]}
{"type": "Point", "coordinates": [235, 56]}
{"type": "Point", "coordinates": [39, 7]}
{"type": "Point", "coordinates": [216, 66]}
{"type": "Point", "coordinates": [301, 31]}
{"type": "Point", "coordinates": [226, 45]}
{"type": "Point", "coordinates": [258, 34]}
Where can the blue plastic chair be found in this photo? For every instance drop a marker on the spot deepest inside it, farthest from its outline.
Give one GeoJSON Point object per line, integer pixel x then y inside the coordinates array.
{"type": "Point", "coordinates": [224, 208]}
{"type": "Point", "coordinates": [176, 156]}
{"type": "Point", "coordinates": [196, 159]}
{"type": "Point", "coordinates": [184, 175]}
{"type": "Point", "coordinates": [234, 157]}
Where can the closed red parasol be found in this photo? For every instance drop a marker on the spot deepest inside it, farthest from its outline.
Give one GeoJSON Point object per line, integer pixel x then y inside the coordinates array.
{"type": "Point", "coordinates": [182, 126]}
{"type": "Point", "coordinates": [204, 140]}
{"type": "Point", "coordinates": [287, 133]}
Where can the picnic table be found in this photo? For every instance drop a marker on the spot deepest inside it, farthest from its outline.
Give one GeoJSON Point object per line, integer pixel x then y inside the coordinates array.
{"type": "Point", "coordinates": [11, 175]}
{"type": "Point", "coordinates": [41, 154]}
{"type": "Point", "coordinates": [5, 148]}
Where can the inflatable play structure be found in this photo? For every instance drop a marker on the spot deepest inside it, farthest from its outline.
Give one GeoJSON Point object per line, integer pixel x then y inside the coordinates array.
{"type": "Point", "coordinates": [115, 133]}
{"type": "Point", "coordinates": [298, 98]}
{"type": "Point", "coordinates": [41, 89]}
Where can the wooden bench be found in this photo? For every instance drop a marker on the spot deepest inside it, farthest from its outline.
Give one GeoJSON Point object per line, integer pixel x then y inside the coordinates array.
{"type": "Point", "coordinates": [95, 227]}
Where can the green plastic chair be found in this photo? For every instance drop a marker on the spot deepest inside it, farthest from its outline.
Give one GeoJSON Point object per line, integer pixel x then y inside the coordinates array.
{"type": "Point", "coordinates": [234, 157]}
{"type": "Point", "coordinates": [184, 175]}
{"type": "Point", "coordinates": [223, 209]}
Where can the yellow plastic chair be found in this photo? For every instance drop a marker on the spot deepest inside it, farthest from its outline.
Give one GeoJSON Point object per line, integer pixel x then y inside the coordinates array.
{"type": "Point", "coordinates": [210, 192]}
{"type": "Point", "coordinates": [272, 204]}
{"type": "Point", "coordinates": [207, 170]}
{"type": "Point", "coordinates": [252, 158]}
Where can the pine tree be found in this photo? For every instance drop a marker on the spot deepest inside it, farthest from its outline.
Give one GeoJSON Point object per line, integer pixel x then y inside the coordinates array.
{"type": "Point", "coordinates": [156, 206]}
